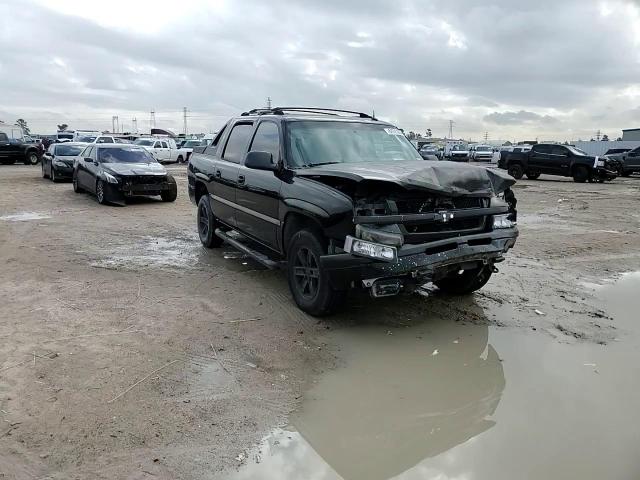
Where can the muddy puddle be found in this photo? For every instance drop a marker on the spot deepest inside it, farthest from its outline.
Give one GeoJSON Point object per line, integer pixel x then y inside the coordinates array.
{"type": "Point", "coordinates": [448, 400]}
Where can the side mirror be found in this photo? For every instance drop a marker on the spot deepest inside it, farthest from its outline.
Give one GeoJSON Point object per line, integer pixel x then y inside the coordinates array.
{"type": "Point", "coordinates": [260, 161]}
{"type": "Point", "coordinates": [87, 159]}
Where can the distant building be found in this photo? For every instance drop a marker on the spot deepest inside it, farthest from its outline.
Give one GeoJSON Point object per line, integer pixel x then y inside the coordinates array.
{"type": "Point", "coordinates": [631, 134]}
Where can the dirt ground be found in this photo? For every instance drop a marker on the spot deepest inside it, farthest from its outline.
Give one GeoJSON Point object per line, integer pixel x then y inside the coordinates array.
{"type": "Point", "coordinates": [129, 351]}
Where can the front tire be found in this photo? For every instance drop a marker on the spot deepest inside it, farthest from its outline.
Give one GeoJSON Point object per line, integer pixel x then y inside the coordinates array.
{"type": "Point", "coordinates": [533, 175]}
{"type": "Point", "coordinates": [207, 224]}
{"type": "Point", "coordinates": [171, 194]}
{"type": "Point", "coordinates": [32, 159]}
{"type": "Point", "coordinates": [100, 193]}
{"type": "Point", "coordinates": [516, 171]}
{"type": "Point", "coordinates": [308, 283]}
{"type": "Point", "coordinates": [180, 159]}
{"type": "Point", "coordinates": [580, 174]}
{"type": "Point", "coordinates": [54, 179]}
{"type": "Point", "coordinates": [466, 282]}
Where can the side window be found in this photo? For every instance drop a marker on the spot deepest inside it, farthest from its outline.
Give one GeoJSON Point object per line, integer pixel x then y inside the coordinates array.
{"type": "Point", "coordinates": [557, 150]}
{"type": "Point", "coordinates": [541, 148]}
{"type": "Point", "coordinates": [156, 145]}
{"type": "Point", "coordinates": [4, 137]}
{"type": "Point", "coordinates": [52, 149]}
{"type": "Point", "coordinates": [164, 145]}
{"type": "Point", "coordinates": [267, 139]}
{"type": "Point", "coordinates": [237, 142]}
{"type": "Point", "coordinates": [92, 153]}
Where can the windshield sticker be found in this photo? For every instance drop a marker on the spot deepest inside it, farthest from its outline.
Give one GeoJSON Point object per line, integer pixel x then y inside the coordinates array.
{"type": "Point", "coordinates": [393, 131]}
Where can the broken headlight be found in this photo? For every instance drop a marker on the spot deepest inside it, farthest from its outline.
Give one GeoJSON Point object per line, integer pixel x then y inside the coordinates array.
{"type": "Point", "coordinates": [503, 221]}
{"type": "Point", "coordinates": [370, 249]}
{"type": "Point", "coordinates": [110, 178]}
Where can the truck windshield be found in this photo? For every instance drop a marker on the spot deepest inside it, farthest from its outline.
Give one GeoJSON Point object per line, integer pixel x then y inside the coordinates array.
{"type": "Point", "coordinates": [124, 155]}
{"type": "Point", "coordinates": [483, 149]}
{"type": "Point", "coordinates": [313, 143]}
{"type": "Point", "coordinates": [86, 139]}
{"type": "Point", "coordinates": [144, 142]}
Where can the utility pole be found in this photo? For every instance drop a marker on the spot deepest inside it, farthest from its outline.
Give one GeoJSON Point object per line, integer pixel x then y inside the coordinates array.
{"type": "Point", "coordinates": [486, 137]}
{"type": "Point", "coordinates": [115, 124]}
{"type": "Point", "coordinates": [269, 103]}
{"type": "Point", "coordinates": [451, 122]}
{"type": "Point", "coordinates": [184, 114]}
{"type": "Point", "coordinates": [598, 135]}
{"type": "Point", "coordinates": [134, 125]}
{"type": "Point", "coordinates": [152, 120]}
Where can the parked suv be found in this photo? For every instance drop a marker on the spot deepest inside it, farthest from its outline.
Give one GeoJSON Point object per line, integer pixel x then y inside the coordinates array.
{"type": "Point", "coordinates": [563, 160]}
{"type": "Point", "coordinates": [341, 201]}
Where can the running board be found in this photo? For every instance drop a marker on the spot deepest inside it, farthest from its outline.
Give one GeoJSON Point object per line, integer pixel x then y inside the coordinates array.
{"type": "Point", "coordinates": [261, 258]}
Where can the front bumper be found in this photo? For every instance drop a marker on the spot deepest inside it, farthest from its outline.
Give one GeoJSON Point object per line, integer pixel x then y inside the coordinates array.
{"type": "Point", "coordinates": [420, 263]}
{"type": "Point", "coordinates": [459, 158]}
{"type": "Point", "coordinates": [118, 192]}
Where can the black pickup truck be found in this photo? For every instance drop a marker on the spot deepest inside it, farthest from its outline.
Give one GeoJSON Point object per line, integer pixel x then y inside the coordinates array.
{"type": "Point", "coordinates": [13, 150]}
{"type": "Point", "coordinates": [341, 200]}
{"type": "Point", "coordinates": [562, 160]}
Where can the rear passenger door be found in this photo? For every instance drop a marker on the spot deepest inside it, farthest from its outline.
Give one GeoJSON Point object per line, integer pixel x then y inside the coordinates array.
{"type": "Point", "coordinates": [633, 159]}
{"type": "Point", "coordinates": [226, 167]}
{"type": "Point", "coordinates": [258, 193]}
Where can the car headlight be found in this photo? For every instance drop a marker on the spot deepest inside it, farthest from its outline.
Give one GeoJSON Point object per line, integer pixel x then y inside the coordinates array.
{"type": "Point", "coordinates": [58, 163]}
{"type": "Point", "coordinates": [372, 250]}
{"type": "Point", "coordinates": [503, 221]}
{"type": "Point", "coordinates": [110, 178]}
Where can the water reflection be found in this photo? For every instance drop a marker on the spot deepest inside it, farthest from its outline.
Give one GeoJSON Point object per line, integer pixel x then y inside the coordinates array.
{"type": "Point", "coordinates": [403, 396]}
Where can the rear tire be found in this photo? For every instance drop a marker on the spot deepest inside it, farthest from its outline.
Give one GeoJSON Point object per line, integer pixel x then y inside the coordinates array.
{"type": "Point", "coordinates": [171, 194]}
{"type": "Point", "coordinates": [467, 282]}
{"type": "Point", "coordinates": [308, 283]}
{"type": "Point", "coordinates": [580, 174]}
{"type": "Point", "coordinates": [516, 171]}
{"type": "Point", "coordinates": [533, 175]}
{"type": "Point", "coordinates": [180, 159]}
{"type": "Point", "coordinates": [207, 224]}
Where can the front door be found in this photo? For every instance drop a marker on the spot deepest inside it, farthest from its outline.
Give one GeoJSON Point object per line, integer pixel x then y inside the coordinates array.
{"type": "Point", "coordinates": [633, 160]}
{"type": "Point", "coordinates": [225, 178]}
{"type": "Point", "coordinates": [259, 190]}
{"type": "Point", "coordinates": [85, 164]}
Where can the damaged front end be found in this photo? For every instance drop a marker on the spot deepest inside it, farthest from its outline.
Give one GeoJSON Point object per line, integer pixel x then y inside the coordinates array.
{"type": "Point", "coordinates": [411, 237]}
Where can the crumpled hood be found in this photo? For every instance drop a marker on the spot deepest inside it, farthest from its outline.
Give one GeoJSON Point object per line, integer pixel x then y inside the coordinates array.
{"type": "Point", "coordinates": [448, 178]}
{"type": "Point", "coordinates": [152, 168]}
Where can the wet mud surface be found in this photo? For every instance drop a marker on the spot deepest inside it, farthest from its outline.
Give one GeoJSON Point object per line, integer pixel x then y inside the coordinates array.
{"type": "Point", "coordinates": [128, 351]}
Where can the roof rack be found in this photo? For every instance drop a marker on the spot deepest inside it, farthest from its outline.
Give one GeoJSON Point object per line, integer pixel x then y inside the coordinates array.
{"type": "Point", "coordinates": [319, 111]}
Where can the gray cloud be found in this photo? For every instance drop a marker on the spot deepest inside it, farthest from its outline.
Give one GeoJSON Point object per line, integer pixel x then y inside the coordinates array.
{"type": "Point", "coordinates": [518, 118]}
{"type": "Point", "coordinates": [482, 64]}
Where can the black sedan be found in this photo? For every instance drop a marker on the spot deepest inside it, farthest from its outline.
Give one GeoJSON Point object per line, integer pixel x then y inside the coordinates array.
{"type": "Point", "coordinates": [57, 161]}
{"type": "Point", "coordinates": [115, 172]}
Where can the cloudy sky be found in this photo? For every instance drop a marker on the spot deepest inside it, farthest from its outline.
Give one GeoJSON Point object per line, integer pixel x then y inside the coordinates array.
{"type": "Point", "coordinates": [517, 69]}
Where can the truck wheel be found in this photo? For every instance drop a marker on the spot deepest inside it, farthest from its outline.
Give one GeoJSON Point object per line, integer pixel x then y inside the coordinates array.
{"type": "Point", "coordinates": [465, 282]}
{"type": "Point", "coordinates": [533, 175]}
{"type": "Point", "coordinates": [207, 224]}
{"type": "Point", "coordinates": [580, 174]}
{"type": "Point", "coordinates": [180, 159]}
{"type": "Point", "coordinates": [171, 194]}
{"type": "Point", "coordinates": [515, 170]}
{"type": "Point", "coordinates": [308, 283]}
{"type": "Point", "coordinates": [31, 159]}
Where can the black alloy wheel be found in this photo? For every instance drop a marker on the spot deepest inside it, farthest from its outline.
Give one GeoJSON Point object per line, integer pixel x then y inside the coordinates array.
{"type": "Point", "coordinates": [207, 224]}
{"type": "Point", "coordinates": [516, 171]}
{"type": "Point", "coordinates": [307, 273]}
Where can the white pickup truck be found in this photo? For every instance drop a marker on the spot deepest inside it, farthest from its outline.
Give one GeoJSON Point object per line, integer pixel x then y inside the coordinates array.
{"type": "Point", "coordinates": [163, 149]}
